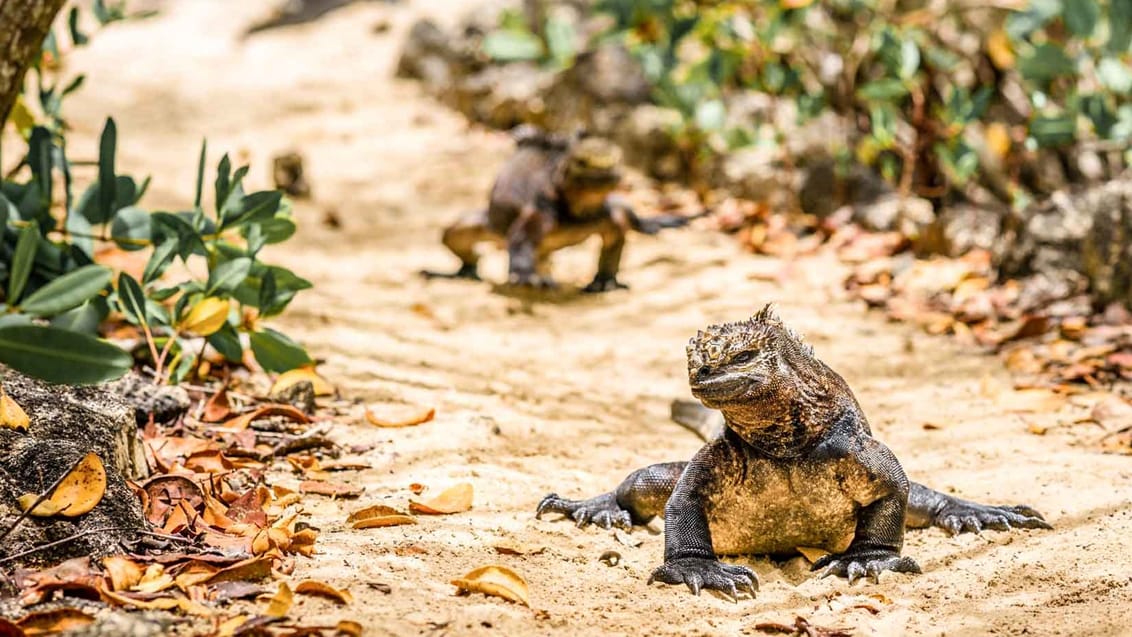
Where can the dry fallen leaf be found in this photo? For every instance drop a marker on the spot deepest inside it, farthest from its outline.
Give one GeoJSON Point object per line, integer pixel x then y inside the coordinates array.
{"type": "Point", "coordinates": [322, 589]}
{"type": "Point", "coordinates": [286, 379]}
{"type": "Point", "coordinates": [53, 622]}
{"type": "Point", "coordinates": [455, 499]}
{"type": "Point", "coordinates": [495, 580]}
{"type": "Point", "coordinates": [159, 603]}
{"type": "Point", "coordinates": [281, 602]}
{"type": "Point", "coordinates": [242, 421]}
{"type": "Point", "coordinates": [12, 415]}
{"type": "Point", "coordinates": [349, 628]}
{"type": "Point", "coordinates": [378, 515]}
{"type": "Point", "coordinates": [812, 554]}
{"type": "Point", "coordinates": [122, 571]}
{"type": "Point", "coordinates": [332, 489]}
{"type": "Point", "coordinates": [217, 409]}
{"type": "Point", "coordinates": [406, 421]}
{"type": "Point", "coordinates": [78, 492]}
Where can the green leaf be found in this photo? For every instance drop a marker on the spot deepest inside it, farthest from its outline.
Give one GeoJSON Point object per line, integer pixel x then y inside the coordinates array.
{"type": "Point", "coordinates": [561, 41]}
{"type": "Point", "coordinates": [200, 173]}
{"type": "Point", "coordinates": [226, 276]}
{"type": "Point", "coordinates": [40, 161]}
{"type": "Point", "coordinates": [253, 207]}
{"type": "Point", "coordinates": [227, 342]}
{"type": "Point", "coordinates": [884, 90]}
{"type": "Point", "coordinates": [1054, 131]}
{"type": "Point", "coordinates": [61, 356]}
{"type": "Point", "coordinates": [160, 259]}
{"type": "Point", "coordinates": [81, 233]}
{"type": "Point", "coordinates": [84, 318]}
{"type": "Point", "coordinates": [909, 59]}
{"type": "Point", "coordinates": [1115, 75]}
{"type": "Point", "coordinates": [132, 228]}
{"type": "Point", "coordinates": [107, 180]}
{"type": "Point", "coordinates": [277, 230]}
{"type": "Point", "coordinates": [1044, 63]}
{"type": "Point", "coordinates": [1081, 16]}
{"type": "Point", "coordinates": [1120, 26]}
{"type": "Point", "coordinates": [223, 182]}
{"type": "Point", "coordinates": [68, 291]}
{"type": "Point", "coordinates": [22, 260]}
{"type": "Point", "coordinates": [77, 36]}
{"type": "Point", "coordinates": [512, 46]}
{"type": "Point", "coordinates": [276, 352]}
{"type": "Point", "coordinates": [1020, 24]}
{"type": "Point", "coordinates": [266, 290]}
{"type": "Point", "coordinates": [7, 212]}
{"type": "Point", "coordinates": [131, 299]}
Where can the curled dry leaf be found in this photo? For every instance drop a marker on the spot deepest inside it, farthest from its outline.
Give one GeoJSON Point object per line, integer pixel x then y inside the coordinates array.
{"type": "Point", "coordinates": [349, 628]}
{"type": "Point", "coordinates": [78, 492]}
{"type": "Point", "coordinates": [377, 516]}
{"type": "Point", "coordinates": [123, 572]}
{"type": "Point", "coordinates": [410, 420]}
{"type": "Point", "coordinates": [218, 408]}
{"type": "Point", "coordinates": [322, 589]}
{"type": "Point", "coordinates": [812, 554]}
{"type": "Point", "coordinates": [455, 499]}
{"type": "Point", "coordinates": [332, 489]}
{"type": "Point", "coordinates": [12, 415]}
{"type": "Point", "coordinates": [241, 422]}
{"type": "Point", "coordinates": [281, 602]}
{"type": "Point", "coordinates": [160, 603]}
{"type": "Point", "coordinates": [499, 581]}
{"type": "Point", "coordinates": [286, 379]}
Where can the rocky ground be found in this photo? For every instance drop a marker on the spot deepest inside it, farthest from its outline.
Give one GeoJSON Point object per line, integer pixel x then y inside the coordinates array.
{"type": "Point", "coordinates": [571, 393]}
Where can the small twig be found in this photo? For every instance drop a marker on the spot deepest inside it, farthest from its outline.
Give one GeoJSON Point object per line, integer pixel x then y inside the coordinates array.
{"type": "Point", "coordinates": [69, 538]}
{"type": "Point", "coordinates": [43, 496]}
{"type": "Point", "coordinates": [159, 378]}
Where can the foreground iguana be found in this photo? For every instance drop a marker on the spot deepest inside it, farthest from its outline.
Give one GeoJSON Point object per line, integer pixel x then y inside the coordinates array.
{"type": "Point", "coordinates": [554, 192]}
{"type": "Point", "coordinates": [794, 466]}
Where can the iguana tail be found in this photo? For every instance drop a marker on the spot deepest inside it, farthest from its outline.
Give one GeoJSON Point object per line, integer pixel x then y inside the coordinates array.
{"type": "Point", "coordinates": [705, 423]}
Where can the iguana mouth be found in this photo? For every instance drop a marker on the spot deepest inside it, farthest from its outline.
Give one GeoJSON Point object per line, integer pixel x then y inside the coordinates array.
{"type": "Point", "coordinates": [719, 390]}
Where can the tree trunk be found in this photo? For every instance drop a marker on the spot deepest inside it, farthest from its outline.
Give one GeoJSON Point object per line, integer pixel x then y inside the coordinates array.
{"type": "Point", "coordinates": [23, 26]}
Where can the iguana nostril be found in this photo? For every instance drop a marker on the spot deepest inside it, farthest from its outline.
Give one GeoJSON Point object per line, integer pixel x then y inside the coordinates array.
{"type": "Point", "coordinates": [703, 372]}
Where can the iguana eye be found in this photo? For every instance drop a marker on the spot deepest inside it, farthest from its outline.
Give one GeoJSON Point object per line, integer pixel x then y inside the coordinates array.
{"type": "Point", "coordinates": [743, 357]}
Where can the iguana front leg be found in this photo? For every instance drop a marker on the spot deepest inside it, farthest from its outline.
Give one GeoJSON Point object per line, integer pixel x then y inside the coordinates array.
{"type": "Point", "coordinates": [689, 557]}
{"type": "Point", "coordinates": [927, 507]}
{"type": "Point", "coordinates": [879, 533]}
{"type": "Point", "coordinates": [523, 239]}
{"type": "Point", "coordinates": [639, 498]}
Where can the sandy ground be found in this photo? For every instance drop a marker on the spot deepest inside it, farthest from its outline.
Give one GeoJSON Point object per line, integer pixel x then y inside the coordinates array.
{"type": "Point", "coordinates": [570, 396]}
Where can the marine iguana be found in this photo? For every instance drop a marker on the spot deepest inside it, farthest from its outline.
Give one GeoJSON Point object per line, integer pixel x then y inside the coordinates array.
{"type": "Point", "coordinates": [794, 466]}
{"type": "Point", "coordinates": [555, 191]}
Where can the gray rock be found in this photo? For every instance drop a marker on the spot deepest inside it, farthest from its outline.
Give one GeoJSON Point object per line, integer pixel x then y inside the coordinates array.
{"type": "Point", "coordinates": [65, 424]}
{"type": "Point", "coordinates": [164, 402]}
{"type": "Point", "coordinates": [825, 189]}
{"type": "Point", "coordinates": [910, 216]}
{"type": "Point", "coordinates": [647, 140]}
{"type": "Point", "coordinates": [959, 229]}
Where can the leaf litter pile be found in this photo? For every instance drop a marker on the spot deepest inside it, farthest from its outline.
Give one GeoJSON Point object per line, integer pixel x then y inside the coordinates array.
{"type": "Point", "coordinates": [223, 537]}
{"type": "Point", "coordinates": [1063, 355]}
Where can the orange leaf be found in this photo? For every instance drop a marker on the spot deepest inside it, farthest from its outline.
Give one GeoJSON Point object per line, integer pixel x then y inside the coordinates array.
{"type": "Point", "coordinates": [53, 622]}
{"type": "Point", "coordinates": [495, 580]}
{"type": "Point", "coordinates": [332, 489]}
{"type": "Point", "coordinates": [286, 379]}
{"type": "Point", "coordinates": [12, 415]}
{"type": "Point", "coordinates": [281, 601]}
{"type": "Point", "coordinates": [242, 421]}
{"type": "Point", "coordinates": [409, 421]}
{"type": "Point", "coordinates": [78, 493]}
{"type": "Point", "coordinates": [313, 587]}
{"type": "Point", "coordinates": [218, 407]}
{"type": "Point", "coordinates": [122, 571]}
{"type": "Point", "coordinates": [456, 499]}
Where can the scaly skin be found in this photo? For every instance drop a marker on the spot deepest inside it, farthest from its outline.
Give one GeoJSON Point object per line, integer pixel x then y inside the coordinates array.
{"type": "Point", "coordinates": [795, 465]}
{"type": "Point", "coordinates": [554, 192]}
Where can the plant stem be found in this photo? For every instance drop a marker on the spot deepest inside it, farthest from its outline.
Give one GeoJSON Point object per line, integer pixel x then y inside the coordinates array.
{"type": "Point", "coordinates": [159, 364]}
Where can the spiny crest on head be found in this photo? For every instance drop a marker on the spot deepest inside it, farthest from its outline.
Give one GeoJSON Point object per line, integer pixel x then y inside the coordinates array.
{"type": "Point", "coordinates": [715, 343]}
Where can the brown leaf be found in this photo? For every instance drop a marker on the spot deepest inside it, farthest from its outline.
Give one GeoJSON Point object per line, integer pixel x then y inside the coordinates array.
{"type": "Point", "coordinates": [383, 521]}
{"type": "Point", "coordinates": [372, 511]}
{"type": "Point", "coordinates": [217, 409]}
{"type": "Point", "coordinates": [253, 568]}
{"type": "Point", "coordinates": [53, 622]}
{"type": "Point", "coordinates": [332, 489]}
{"type": "Point", "coordinates": [499, 581]}
{"type": "Point", "coordinates": [78, 493]}
{"type": "Point", "coordinates": [123, 572]}
{"type": "Point", "coordinates": [281, 602]}
{"type": "Point", "coordinates": [411, 420]}
{"type": "Point", "coordinates": [12, 415]}
{"type": "Point", "coordinates": [242, 421]}
{"type": "Point", "coordinates": [349, 628]}
{"type": "Point", "coordinates": [322, 589]}
{"type": "Point", "coordinates": [455, 499]}
{"type": "Point", "coordinates": [812, 554]}
{"type": "Point", "coordinates": [159, 603]}
{"type": "Point", "coordinates": [8, 629]}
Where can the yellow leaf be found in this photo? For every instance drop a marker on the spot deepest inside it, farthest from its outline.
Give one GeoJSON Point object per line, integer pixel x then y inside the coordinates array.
{"type": "Point", "coordinates": [78, 492]}
{"type": "Point", "coordinates": [123, 572]}
{"type": "Point", "coordinates": [349, 628]}
{"type": "Point", "coordinates": [812, 554]}
{"type": "Point", "coordinates": [286, 379]}
{"type": "Point", "coordinates": [160, 603]}
{"type": "Point", "coordinates": [1000, 51]}
{"type": "Point", "coordinates": [281, 602]}
{"type": "Point", "coordinates": [382, 521]}
{"type": "Point", "coordinates": [411, 420]}
{"type": "Point", "coordinates": [322, 589]}
{"type": "Point", "coordinates": [998, 139]}
{"type": "Point", "coordinates": [12, 415]}
{"type": "Point", "coordinates": [495, 580]}
{"type": "Point", "coordinates": [455, 499]}
{"type": "Point", "coordinates": [22, 118]}
{"type": "Point", "coordinates": [206, 317]}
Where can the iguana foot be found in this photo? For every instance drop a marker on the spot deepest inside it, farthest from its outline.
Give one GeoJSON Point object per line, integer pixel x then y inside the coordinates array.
{"type": "Point", "coordinates": [604, 283]}
{"type": "Point", "coordinates": [466, 271]}
{"type": "Point", "coordinates": [969, 517]}
{"type": "Point", "coordinates": [698, 573]}
{"type": "Point", "coordinates": [536, 281]}
{"type": "Point", "coordinates": [865, 563]}
{"type": "Point", "coordinates": [602, 510]}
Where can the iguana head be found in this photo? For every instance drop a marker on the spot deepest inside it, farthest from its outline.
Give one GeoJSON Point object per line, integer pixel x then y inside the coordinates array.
{"type": "Point", "coordinates": [591, 170]}
{"type": "Point", "coordinates": [735, 364]}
